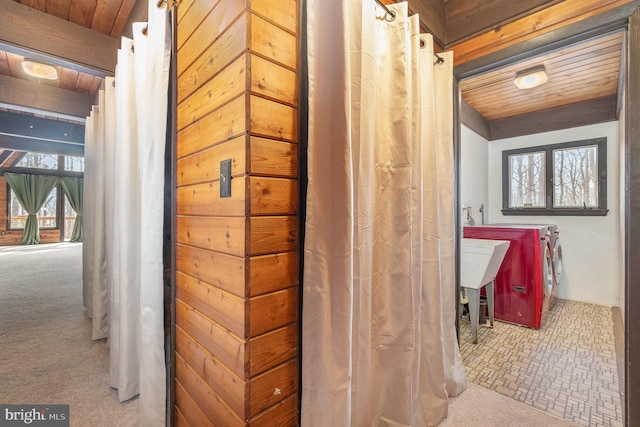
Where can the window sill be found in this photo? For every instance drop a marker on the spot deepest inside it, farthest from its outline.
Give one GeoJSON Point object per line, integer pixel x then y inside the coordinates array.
{"type": "Point", "coordinates": [556, 212]}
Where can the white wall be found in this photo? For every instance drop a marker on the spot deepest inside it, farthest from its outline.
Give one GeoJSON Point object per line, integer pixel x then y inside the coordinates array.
{"type": "Point", "coordinates": [591, 246]}
{"type": "Point", "coordinates": [474, 182]}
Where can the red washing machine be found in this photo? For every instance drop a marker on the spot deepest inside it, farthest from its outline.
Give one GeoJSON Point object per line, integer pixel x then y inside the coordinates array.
{"type": "Point", "coordinates": [525, 277]}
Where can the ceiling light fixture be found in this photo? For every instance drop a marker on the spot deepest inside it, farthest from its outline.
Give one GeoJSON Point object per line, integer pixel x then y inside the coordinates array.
{"type": "Point", "coordinates": [39, 70]}
{"type": "Point", "coordinates": [531, 77]}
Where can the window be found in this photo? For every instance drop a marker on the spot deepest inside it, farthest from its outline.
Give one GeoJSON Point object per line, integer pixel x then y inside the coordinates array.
{"type": "Point", "coordinates": [47, 215]}
{"type": "Point", "coordinates": [559, 179]}
{"type": "Point", "coordinates": [38, 161]}
{"type": "Point", "coordinates": [73, 163]}
{"type": "Point", "coordinates": [69, 219]}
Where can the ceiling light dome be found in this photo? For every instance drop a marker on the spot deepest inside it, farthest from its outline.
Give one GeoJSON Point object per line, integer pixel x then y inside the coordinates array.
{"type": "Point", "coordinates": [531, 77]}
{"type": "Point", "coordinates": [39, 70]}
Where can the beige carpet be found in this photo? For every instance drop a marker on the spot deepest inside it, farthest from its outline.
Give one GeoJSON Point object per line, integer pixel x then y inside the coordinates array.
{"type": "Point", "coordinates": [480, 407]}
{"type": "Point", "coordinates": [46, 352]}
{"type": "Point", "coordinates": [47, 356]}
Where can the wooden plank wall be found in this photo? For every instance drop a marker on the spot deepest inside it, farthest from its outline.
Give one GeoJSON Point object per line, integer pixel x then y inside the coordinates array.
{"type": "Point", "coordinates": [237, 257]}
{"type": "Point", "coordinates": [13, 237]}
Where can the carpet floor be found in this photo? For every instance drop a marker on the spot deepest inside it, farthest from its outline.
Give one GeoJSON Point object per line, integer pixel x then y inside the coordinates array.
{"type": "Point", "coordinates": [47, 356]}
{"type": "Point", "coordinates": [46, 352]}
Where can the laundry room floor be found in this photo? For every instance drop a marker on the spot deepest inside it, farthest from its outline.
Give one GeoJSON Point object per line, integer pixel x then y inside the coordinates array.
{"type": "Point", "coordinates": [567, 368]}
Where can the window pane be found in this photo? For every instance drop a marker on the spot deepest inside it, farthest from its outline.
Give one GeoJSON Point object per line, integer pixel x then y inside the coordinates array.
{"type": "Point", "coordinates": [18, 215]}
{"type": "Point", "coordinates": [526, 172]}
{"type": "Point", "coordinates": [39, 161]}
{"type": "Point", "coordinates": [46, 215]}
{"type": "Point", "coordinates": [575, 177]}
{"type": "Point", "coordinates": [69, 219]}
{"type": "Point", "coordinates": [75, 164]}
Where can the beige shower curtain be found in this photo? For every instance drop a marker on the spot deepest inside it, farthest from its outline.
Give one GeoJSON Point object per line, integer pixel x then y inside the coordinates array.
{"type": "Point", "coordinates": [379, 345]}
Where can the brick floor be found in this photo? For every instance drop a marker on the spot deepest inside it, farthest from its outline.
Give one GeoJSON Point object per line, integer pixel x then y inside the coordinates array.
{"type": "Point", "coordinates": [566, 368]}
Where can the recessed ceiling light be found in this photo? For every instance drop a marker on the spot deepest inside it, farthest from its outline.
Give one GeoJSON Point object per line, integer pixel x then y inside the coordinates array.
{"type": "Point", "coordinates": [531, 77]}
{"type": "Point", "coordinates": [39, 70]}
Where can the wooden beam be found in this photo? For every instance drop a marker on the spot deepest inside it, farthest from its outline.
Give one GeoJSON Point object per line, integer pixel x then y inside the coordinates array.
{"type": "Point", "coordinates": [23, 95]}
{"type": "Point", "coordinates": [474, 121]}
{"type": "Point", "coordinates": [32, 33]}
{"type": "Point", "coordinates": [41, 146]}
{"type": "Point", "coordinates": [469, 18]}
{"type": "Point", "coordinates": [632, 226]}
{"type": "Point", "coordinates": [558, 16]}
{"type": "Point", "coordinates": [581, 114]}
{"type": "Point", "coordinates": [432, 18]}
{"type": "Point", "coordinates": [595, 26]}
{"type": "Point", "coordinates": [33, 127]}
{"type": "Point", "coordinates": [35, 171]}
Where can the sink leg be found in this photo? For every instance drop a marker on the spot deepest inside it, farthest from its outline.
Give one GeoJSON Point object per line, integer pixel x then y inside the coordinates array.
{"type": "Point", "coordinates": [490, 301]}
{"type": "Point", "coordinates": [474, 312]}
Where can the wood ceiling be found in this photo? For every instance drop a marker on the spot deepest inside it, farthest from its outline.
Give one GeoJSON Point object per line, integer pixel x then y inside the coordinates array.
{"type": "Point", "coordinates": [80, 39]}
{"type": "Point", "coordinates": [579, 73]}
{"type": "Point", "coordinates": [583, 85]}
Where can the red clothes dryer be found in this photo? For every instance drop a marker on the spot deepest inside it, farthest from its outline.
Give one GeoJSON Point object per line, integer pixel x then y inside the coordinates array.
{"type": "Point", "coordinates": [525, 272]}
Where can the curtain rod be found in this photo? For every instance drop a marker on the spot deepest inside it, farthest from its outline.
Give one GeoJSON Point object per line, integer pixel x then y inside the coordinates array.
{"type": "Point", "coordinates": [439, 59]}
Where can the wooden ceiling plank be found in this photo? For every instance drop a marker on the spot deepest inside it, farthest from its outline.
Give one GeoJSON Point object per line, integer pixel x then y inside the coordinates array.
{"type": "Point", "coordinates": [466, 18]}
{"type": "Point", "coordinates": [105, 15]}
{"type": "Point", "coordinates": [562, 55]}
{"type": "Point", "coordinates": [547, 20]}
{"type": "Point", "coordinates": [56, 40]}
{"type": "Point", "coordinates": [513, 102]}
{"type": "Point", "coordinates": [23, 95]}
{"type": "Point", "coordinates": [557, 100]}
{"type": "Point", "coordinates": [122, 18]}
{"type": "Point", "coordinates": [15, 66]}
{"type": "Point", "coordinates": [4, 64]}
{"type": "Point", "coordinates": [82, 11]}
{"type": "Point", "coordinates": [68, 79]}
{"type": "Point", "coordinates": [84, 83]}
{"type": "Point", "coordinates": [96, 85]}
{"type": "Point", "coordinates": [34, 4]}
{"type": "Point", "coordinates": [59, 8]}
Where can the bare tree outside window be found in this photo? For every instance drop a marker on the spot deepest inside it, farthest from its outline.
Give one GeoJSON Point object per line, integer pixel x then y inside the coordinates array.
{"type": "Point", "coordinates": [38, 161]}
{"type": "Point", "coordinates": [73, 163]}
{"type": "Point", "coordinates": [575, 178]}
{"type": "Point", "coordinates": [46, 214]}
{"type": "Point", "coordinates": [568, 178]}
{"type": "Point", "coordinates": [527, 180]}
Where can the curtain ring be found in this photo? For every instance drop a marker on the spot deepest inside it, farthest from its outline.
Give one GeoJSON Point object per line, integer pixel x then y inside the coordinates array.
{"type": "Point", "coordinates": [161, 3]}
{"type": "Point", "coordinates": [392, 14]}
{"type": "Point", "coordinates": [145, 30]}
{"type": "Point", "coordinates": [423, 44]}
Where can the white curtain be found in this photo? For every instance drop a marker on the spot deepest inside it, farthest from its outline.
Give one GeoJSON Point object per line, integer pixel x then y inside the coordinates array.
{"type": "Point", "coordinates": [379, 345]}
{"type": "Point", "coordinates": [124, 153]}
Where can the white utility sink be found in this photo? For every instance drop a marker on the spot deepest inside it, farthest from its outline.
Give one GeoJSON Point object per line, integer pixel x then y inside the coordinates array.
{"type": "Point", "coordinates": [480, 260]}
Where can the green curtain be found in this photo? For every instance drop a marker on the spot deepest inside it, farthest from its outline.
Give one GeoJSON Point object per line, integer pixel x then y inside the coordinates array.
{"type": "Point", "coordinates": [73, 188]}
{"type": "Point", "coordinates": [31, 191]}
